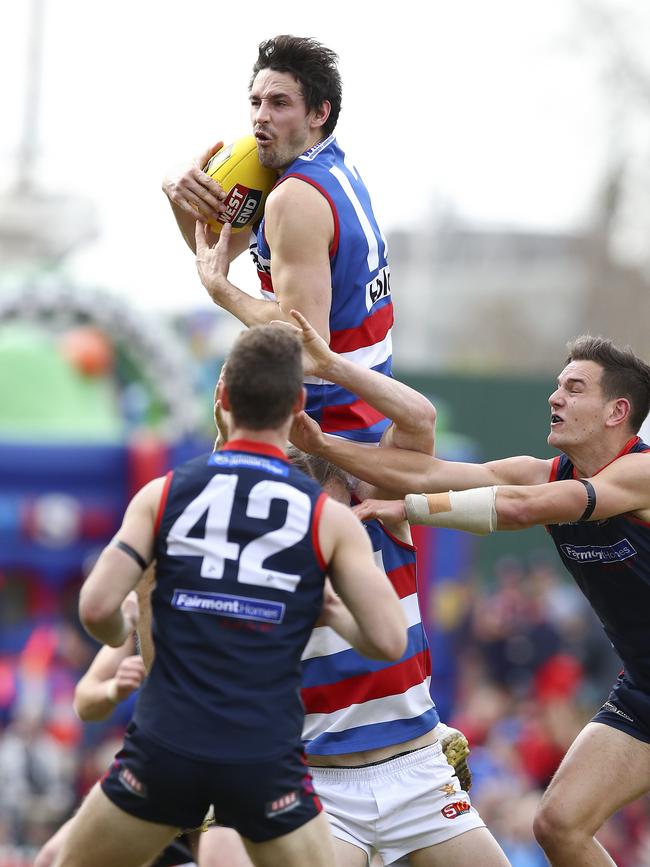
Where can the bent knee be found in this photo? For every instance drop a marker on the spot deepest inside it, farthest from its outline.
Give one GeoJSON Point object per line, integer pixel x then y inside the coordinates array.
{"type": "Point", "coordinates": [553, 823]}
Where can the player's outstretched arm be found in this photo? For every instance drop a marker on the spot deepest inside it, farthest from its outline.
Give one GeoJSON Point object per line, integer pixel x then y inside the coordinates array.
{"type": "Point", "coordinates": [112, 676]}
{"type": "Point", "coordinates": [372, 620]}
{"type": "Point", "coordinates": [621, 488]}
{"type": "Point", "coordinates": [401, 470]}
{"type": "Point", "coordinates": [106, 610]}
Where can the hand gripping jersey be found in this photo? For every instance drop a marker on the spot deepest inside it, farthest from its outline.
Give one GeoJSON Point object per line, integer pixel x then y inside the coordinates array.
{"type": "Point", "coordinates": [361, 315]}
{"type": "Point", "coordinates": [610, 562]}
{"type": "Point", "coordinates": [353, 703]}
{"type": "Point", "coordinates": [239, 585]}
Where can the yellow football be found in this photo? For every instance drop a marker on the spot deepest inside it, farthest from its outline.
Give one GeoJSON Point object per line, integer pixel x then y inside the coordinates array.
{"type": "Point", "coordinates": [246, 182]}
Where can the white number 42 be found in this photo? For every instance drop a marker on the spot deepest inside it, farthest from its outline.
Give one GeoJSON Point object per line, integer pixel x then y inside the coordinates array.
{"type": "Point", "coordinates": [217, 500]}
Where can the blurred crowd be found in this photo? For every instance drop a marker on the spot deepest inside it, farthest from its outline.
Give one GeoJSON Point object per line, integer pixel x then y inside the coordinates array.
{"type": "Point", "coordinates": [531, 666]}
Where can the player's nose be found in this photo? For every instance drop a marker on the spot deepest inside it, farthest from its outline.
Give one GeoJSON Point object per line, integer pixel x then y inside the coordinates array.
{"type": "Point", "coordinates": [261, 112]}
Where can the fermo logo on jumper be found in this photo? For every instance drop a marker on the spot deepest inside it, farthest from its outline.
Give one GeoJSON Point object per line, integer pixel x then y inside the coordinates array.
{"type": "Point", "coordinates": [599, 553]}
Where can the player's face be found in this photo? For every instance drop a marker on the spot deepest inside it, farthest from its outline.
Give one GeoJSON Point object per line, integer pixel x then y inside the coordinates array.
{"type": "Point", "coordinates": [578, 408]}
{"type": "Point", "coordinates": [281, 123]}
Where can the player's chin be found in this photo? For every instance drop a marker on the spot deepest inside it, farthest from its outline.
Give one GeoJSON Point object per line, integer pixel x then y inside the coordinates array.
{"type": "Point", "coordinates": [267, 157]}
{"type": "Point", "coordinates": [558, 439]}
{"type": "Point", "coordinates": [554, 438]}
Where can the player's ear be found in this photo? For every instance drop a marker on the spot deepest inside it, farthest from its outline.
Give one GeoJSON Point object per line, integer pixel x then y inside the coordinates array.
{"type": "Point", "coordinates": [321, 114]}
{"type": "Point", "coordinates": [620, 412]}
{"type": "Point", "coordinates": [300, 401]}
{"type": "Point", "coordinates": [222, 395]}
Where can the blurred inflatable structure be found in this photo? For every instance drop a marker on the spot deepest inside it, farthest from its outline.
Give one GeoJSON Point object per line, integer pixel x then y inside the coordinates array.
{"type": "Point", "coordinates": [95, 400]}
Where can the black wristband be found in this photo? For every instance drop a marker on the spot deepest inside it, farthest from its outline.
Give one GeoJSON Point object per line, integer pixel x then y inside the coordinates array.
{"type": "Point", "coordinates": [591, 500]}
{"type": "Point", "coordinates": [133, 554]}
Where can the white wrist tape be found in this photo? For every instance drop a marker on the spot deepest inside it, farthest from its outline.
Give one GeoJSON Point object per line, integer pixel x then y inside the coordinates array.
{"type": "Point", "coordinates": [473, 510]}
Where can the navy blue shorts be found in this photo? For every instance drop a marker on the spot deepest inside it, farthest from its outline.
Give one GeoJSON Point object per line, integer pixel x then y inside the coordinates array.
{"type": "Point", "coordinates": [262, 800]}
{"type": "Point", "coordinates": [627, 709]}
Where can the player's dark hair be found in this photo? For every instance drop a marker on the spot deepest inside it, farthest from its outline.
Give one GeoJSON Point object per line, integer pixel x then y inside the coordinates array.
{"type": "Point", "coordinates": [319, 469]}
{"type": "Point", "coordinates": [264, 376]}
{"type": "Point", "coordinates": [313, 65]}
{"type": "Point", "coordinates": [624, 373]}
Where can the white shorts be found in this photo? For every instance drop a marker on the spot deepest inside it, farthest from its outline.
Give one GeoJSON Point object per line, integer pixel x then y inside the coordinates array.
{"type": "Point", "coordinates": [397, 806]}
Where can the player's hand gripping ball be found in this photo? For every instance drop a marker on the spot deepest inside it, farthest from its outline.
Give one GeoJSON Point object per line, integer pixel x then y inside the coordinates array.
{"type": "Point", "coordinates": [246, 182]}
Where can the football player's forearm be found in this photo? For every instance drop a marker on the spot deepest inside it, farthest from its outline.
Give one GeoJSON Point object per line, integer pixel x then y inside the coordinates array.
{"type": "Point", "coordinates": [359, 460]}
{"type": "Point", "coordinates": [407, 408]}
{"type": "Point", "coordinates": [399, 471]}
{"type": "Point", "coordinates": [250, 311]}
{"type": "Point", "coordinates": [349, 629]}
{"type": "Point", "coordinates": [94, 700]}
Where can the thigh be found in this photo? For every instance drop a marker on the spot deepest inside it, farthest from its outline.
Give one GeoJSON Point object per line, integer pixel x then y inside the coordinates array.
{"type": "Point", "coordinates": [603, 770]}
{"type": "Point", "coordinates": [473, 847]}
{"type": "Point", "coordinates": [102, 835]}
{"type": "Point", "coordinates": [50, 849]}
{"type": "Point", "coordinates": [349, 854]}
{"type": "Point", "coordinates": [310, 844]}
{"type": "Point", "coordinates": [222, 847]}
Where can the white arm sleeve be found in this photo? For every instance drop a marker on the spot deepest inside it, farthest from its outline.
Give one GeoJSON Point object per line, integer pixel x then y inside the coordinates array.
{"type": "Point", "coordinates": [473, 510]}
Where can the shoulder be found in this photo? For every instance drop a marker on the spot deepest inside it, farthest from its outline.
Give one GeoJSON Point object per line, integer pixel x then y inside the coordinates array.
{"type": "Point", "coordinates": [297, 200]}
{"type": "Point", "coordinates": [336, 513]}
{"type": "Point", "coordinates": [298, 218]}
{"type": "Point", "coordinates": [339, 522]}
{"type": "Point", "coordinates": [150, 494]}
{"type": "Point", "coordinates": [632, 465]}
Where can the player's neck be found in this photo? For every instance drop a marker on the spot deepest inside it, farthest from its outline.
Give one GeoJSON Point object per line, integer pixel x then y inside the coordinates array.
{"type": "Point", "coordinates": [589, 458]}
{"type": "Point", "coordinates": [269, 436]}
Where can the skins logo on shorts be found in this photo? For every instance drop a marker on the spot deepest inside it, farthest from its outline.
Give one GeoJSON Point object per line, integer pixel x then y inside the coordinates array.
{"type": "Point", "coordinates": [241, 206]}
{"type": "Point", "coordinates": [599, 553]}
{"type": "Point", "coordinates": [132, 783]}
{"type": "Point", "coordinates": [448, 789]}
{"type": "Point", "coordinates": [453, 811]}
{"type": "Point", "coordinates": [282, 804]}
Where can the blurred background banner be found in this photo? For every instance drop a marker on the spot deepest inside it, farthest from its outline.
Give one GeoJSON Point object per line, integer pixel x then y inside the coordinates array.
{"type": "Point", "coordinates": [506, 147]}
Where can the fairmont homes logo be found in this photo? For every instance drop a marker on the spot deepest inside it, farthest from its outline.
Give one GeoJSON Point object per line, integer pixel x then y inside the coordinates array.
{"type": "Point", "coordinates": [588, 554]}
